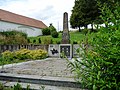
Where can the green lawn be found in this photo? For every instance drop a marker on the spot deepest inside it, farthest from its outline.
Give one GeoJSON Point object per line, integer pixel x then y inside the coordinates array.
{"type": "Point", "coordinates": [74, 36]}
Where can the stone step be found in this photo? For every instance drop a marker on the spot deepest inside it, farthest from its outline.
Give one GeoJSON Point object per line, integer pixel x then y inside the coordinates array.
{"type": "Point", "coordinates": [42, 80]}
{"type": "Point", "coordinates": [38, 86]}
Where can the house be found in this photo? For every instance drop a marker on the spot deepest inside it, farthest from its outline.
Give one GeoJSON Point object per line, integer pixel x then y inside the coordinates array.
{"type": "Point", "coordinates": [12, 21]}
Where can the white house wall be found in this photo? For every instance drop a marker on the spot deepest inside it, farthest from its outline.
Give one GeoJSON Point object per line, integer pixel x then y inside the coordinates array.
{"type": "Point", "coordinates": [30, 31]}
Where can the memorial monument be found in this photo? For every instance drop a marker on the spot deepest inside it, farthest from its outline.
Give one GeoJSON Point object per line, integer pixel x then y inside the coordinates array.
{"type": "Point", "coordinates": [65, 46]}
{"type": "Point", "coordinates": [65, 34]}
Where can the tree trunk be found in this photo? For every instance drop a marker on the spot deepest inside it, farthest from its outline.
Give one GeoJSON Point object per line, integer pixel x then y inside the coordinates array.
{"type": "Point", "coordinates": [79, 29]}
{"type": "Point", "coordinates": [92, 27]}
{"type": "Point", "coordinates": [86, 27]}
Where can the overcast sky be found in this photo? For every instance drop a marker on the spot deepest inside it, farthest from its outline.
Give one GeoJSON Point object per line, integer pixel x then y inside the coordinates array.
{"type": "Point", "coordinates": [48, 11]}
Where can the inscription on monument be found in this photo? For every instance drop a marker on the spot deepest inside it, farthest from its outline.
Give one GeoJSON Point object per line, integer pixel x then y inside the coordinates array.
{"type": "Point", "coordinates": [66, 49]}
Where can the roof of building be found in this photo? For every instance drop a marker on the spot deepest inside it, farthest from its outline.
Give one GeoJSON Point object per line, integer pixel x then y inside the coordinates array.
{"type": "Point", "coordinates": [19, 19]}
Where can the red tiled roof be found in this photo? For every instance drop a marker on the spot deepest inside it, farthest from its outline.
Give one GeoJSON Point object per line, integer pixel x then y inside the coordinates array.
{"type": "Point", "coordinates": [19, 19]}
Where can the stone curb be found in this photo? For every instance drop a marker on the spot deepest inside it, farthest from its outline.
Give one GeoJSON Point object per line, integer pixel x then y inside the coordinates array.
{"type": "Point", "coordinates": [53, 81]}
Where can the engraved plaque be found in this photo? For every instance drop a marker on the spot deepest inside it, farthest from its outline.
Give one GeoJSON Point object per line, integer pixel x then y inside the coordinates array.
{"type": "Point", "coordinates": [66, 49]}
{"type": "Point", "coordinates": [53, 50]}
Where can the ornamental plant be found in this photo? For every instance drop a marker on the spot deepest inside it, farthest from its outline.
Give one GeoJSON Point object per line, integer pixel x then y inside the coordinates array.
{"type": "Point", "coordinates": [37, 54]}
{"type": "Point", "coordinates": [23, 54]}
{"type": "Point", "coordinates": [99, 66]}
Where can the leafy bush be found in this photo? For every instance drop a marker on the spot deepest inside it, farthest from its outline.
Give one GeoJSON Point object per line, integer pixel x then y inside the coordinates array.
{"type": "Point", "coordinates": [57, 42]}
{"type": "Point", "coordinates": [28, 40]}
{"type": "Point", "coordinates": [23, 54]}
{"type": "Point", "coordinates": [46, 31]}
{"type": "Point", "coordinates": [13, 37]}
{"type": "Point", "coordinates": [12, 33]}
{"type": "Point", "coordinates": [39, 40]}
{"type": "Point", "coordinates": [34, 41]}
{"type": "Point", "coordinates": [8, 55]}
{"type": "Point", "coordinates": [47, 41]}
{"type": "Point", "coordinates": [15, 87]}
{"type": "Point", "coordinates": [99, 68]}
{"type": "Point", "coordinates": [52, 28]}
{"type": "Point", "coordinates": [85, 31]}
{"type": "Point", "coordinates": [75, 42]}
{"type": "Point", "coordinates": [37, 54]}
{"type": "Point", "coordinates": [55, 34]}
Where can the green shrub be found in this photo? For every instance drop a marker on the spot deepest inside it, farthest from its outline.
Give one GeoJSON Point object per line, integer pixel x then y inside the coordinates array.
{"type": "Point", "coordinates": [57, 42]}
{"type": "Point", "coordinates": [23, 54]}
{"type": "Point", "coordinates": [13, 33]}
{"type": "Point", "coordinates": [99, 68]}
{"type": "Point", "coordinates": [75, 42]}
{"type": "Point", "coordinates": [55, 34]}
{"type": "Point", "coordinates": [47, 41]}
{"type": "Point", "coordinates": [28, 40]}
{"type": "Point", "coordinates": [85, 31]}
{"type": "Point", "coordinates": [46, 31]}
{"type": "Point", "coordinates": [37, 54]}
{"type": "Point", "coordinates": [34, 41]}
{"type": "Point", "coordinates": [39, 40]}
{"type": "Point", "coordinates": [15, 87]}
{"type": "Point", "coordinates": [52, 28]}
{"type": "Point", "coordinates": [13, 37]}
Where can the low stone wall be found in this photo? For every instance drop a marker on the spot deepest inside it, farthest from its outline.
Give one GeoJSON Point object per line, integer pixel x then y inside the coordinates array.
{"type": "Point", "coordinates": [54, 50]}
{"type": "Point", "coordinates": [17, 47]}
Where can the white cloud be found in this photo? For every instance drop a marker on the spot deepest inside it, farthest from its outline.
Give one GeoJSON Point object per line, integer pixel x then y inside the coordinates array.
{"type": "Point", "coordinates": [48, 11]}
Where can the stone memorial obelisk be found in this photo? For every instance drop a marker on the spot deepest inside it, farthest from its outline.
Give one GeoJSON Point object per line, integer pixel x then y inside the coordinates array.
{"type": "Point", "coordinates": [65, 34]}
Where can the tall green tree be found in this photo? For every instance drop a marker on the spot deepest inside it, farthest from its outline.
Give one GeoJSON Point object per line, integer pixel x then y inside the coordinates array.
{"type": "Point", "coordinates": [84, 12]}
{"type": "Point", "coordinates": [111, 4]}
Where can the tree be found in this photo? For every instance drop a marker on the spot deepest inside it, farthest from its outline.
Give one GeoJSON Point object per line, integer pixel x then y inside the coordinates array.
{"type": "Point", "coordinates": [53, 31]}
{"type": "Point", "coordinates": [84, 12]}
{"type": "Point", "coordinates": [52, 28]}
{"type": "Point", "coordinates": [99, 67]}
{"type": "Point", "coordinates": [111, 4]}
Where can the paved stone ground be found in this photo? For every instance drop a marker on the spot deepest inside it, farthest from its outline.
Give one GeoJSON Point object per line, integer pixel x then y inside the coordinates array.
{"type": "Point", "coordinates": [53, 67]}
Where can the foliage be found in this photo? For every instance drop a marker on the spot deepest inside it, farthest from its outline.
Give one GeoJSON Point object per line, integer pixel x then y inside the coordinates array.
{"type": "Point", "coordinates": [12, 33]}
{"type": "Point", "coordinates": [1, 87]}
{"type": "Point", "coordinates": [22, 54]}
{"type": "Point", "coordinates": [84, 12]}
{"type": "Point", "coordinates": [52, 28]}
{"type": "Point", "coordinates": [54, 34]}
{"type": "Point", "coordinates": [47, 41]}
{"type": "Point", "coordinates": [15, 87]}
{"type": "Point", "coordinates": [99, 67]}
{"type": "Point", "coordinates": [85, 31]}
{"type": "Point", "coordinates": [34, 41]}
{"type": "Point", "coordinates": [57, 42]}
{"type": "Point", "coordinates": [13, 37]}
{"type": "Point", "coordinates": [37, 54]}
{"type": "Point", "coordinates": [46, 31]}
{"type": "Point", "coordinates": [109, 3]}
{"type": "Point", "coordinates": [75, 42]}
{"type": "Point", "coordinates": [39, 40]}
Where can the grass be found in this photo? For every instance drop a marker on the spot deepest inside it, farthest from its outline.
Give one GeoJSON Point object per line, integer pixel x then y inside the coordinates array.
{"type": "Point", "coordinates": [74, 36]}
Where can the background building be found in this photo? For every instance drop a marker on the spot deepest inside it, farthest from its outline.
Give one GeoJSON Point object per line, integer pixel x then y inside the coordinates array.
{"type": "Point", "coordinates": [12, 21]}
